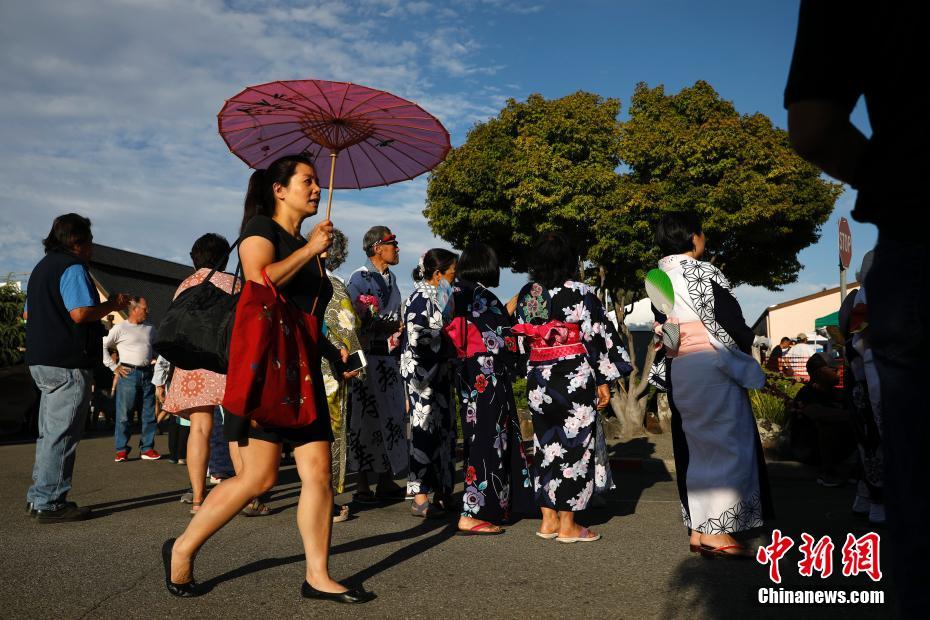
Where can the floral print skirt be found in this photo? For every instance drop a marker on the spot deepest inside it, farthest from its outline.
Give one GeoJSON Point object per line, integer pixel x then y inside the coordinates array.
{"type": "Point", "coordinates": [562, 396]}
{"type": "Point", "coordinates": [432, 436]}
{"type": "Point", "coordinates": [194, 389]}
{"type": "Point", "coordinates": [497, 478]}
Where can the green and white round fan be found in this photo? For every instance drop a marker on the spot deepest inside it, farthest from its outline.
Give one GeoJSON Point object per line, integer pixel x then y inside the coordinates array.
{"type": "Point", "coordinates": [660, 291]}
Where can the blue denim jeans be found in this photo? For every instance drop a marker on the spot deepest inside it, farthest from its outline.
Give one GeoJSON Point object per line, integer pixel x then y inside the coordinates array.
{"type": "Point", "coordinates": [62, 409]}
{"type": "Point", "coordinates": [220, 462]}
{"type": "Point", "coordinates": [135, 386]}
{"type": "Point", "coordinates": [898, 292]}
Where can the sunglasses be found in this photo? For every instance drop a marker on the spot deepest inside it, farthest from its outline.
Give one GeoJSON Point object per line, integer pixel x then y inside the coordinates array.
{"type": "Point", "coordinates": [389, 240]}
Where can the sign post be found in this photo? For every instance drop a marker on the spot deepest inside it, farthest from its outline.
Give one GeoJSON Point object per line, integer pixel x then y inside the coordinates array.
{"type": "Point", "coordinates": [845, 245]}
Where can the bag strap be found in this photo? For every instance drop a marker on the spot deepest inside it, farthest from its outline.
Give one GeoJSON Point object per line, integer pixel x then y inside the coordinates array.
{"type": "Point", "coordinates": [223, 260]}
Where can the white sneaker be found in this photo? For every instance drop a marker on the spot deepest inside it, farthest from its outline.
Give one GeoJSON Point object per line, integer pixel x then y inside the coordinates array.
{"type": "Point", "coordinates": [861, 505]}
{"type": "Point", "coordinates": [877, 514]}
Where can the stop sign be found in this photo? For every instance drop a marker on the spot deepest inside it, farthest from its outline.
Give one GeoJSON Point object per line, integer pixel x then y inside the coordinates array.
{"type": "Point", "coordinates": [845, 243]}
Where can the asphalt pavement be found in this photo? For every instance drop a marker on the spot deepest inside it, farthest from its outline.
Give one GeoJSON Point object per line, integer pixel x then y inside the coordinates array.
{"type": "Point", "coordinates": [109, 566]}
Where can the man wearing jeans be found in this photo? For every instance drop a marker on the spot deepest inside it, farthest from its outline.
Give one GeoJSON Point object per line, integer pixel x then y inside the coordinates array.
{"type": "Point", "coordinates": [132, 339]}
{"type": "Point", "coordinates": [63, 333]}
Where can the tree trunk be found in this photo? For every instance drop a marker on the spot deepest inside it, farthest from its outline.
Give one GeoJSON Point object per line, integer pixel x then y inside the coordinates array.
{"type": "Point", "coordinates": [629, 401]}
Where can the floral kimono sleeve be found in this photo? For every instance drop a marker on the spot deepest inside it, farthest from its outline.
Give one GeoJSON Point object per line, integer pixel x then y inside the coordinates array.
{"type": "Point", "coordinates": [342, 323]}
{"type": "Point", "coordinates": [606, 353]}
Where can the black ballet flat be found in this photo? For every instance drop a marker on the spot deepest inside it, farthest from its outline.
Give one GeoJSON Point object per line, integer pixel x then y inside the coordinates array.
{"type": "Point", "coordinates": [184, 590]}
{"type": "Point", "coordinates": [355, 595]}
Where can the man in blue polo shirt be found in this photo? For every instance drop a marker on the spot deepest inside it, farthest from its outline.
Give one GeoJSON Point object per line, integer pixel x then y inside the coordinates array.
{"type": "Point", "coordinates": [63, 335]}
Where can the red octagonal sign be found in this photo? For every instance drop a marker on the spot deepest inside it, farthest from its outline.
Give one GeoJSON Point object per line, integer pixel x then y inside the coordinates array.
{"type": "Point", "coordinates": [845, 243]}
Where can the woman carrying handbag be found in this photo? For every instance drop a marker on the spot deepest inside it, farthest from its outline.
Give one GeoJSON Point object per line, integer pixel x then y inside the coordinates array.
{"type": "Point", "coordinates": [287, 272]}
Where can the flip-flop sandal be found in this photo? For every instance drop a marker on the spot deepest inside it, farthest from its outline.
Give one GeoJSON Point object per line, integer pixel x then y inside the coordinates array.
{"type": "Point", "coordinates": [582, 538]}
{"type": "Point", "coordinates": [481, 530]}
{"type": "Point", "coordinates": [195, 507]}
{"type": "Point", "coordinates": [340, 515]}
{"type": "Point", "coordinates": [547, 536]}
{"type": "Point", "coordinates": [255, 509]}
{"type": "Point", "coordinates": [365, 497]}
{"type": "Point", "coordinates": [713, 553]}
{"type": "Point", "coordinates": [426, 510]}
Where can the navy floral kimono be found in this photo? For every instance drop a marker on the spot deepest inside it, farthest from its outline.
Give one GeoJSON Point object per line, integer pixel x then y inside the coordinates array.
{"type": "Point", "coordinates": [573, 348]}
{"type": "Point", "coordinates": [497, 478]}
{"type": "Point", "coordinates": [425, 365]}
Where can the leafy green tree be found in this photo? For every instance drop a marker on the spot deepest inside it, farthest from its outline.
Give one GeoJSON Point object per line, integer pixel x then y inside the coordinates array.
{"type": "Point", "coordinates": [540, 165]}
{"type": "Point", "coordinates": [12, 327]}
{"type": "Point", "coordinates": [569, 163]}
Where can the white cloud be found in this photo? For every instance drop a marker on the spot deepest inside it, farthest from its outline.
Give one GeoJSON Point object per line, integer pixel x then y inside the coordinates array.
{"type": "Point", "coordinates": [109, 109]}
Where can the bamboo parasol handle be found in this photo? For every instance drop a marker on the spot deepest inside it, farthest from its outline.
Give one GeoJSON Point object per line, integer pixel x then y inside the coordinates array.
{"type": "Point", "coordinates": [329, 198]}
{"type": "Point", "coordinates": [332, 172]}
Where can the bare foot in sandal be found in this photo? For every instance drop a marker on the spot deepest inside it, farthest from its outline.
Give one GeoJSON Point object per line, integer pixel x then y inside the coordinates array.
{"type": "Point", "coordinates": [477, 526]}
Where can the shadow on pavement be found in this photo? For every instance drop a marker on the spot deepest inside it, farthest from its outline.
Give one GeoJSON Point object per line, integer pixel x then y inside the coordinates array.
{"type": "Point", "coordinates": [623, 500]}
{"type": "Point", "coordinates": [399, 556]}
{"type": "Point", "coordinates": [108, 508]}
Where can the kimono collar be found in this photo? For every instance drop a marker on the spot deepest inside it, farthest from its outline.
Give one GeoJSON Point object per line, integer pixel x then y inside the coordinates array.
{"type": "Point", "coordinates": [370, 266]}
{"type": "Point", "coordinates": [668, 263]}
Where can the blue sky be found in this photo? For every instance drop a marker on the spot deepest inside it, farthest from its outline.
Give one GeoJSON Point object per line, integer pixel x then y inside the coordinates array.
{"type": "Point", "coordinates": [109, 106]}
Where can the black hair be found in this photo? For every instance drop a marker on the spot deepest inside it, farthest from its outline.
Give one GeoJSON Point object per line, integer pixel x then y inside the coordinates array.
{"type": "Point", "coordinates": [209, 250]}
{"type": "Point", "coordinates": [259, 197]}
{"type": "Point", "coordinates": [437, 259]}
{"type": "Point", "coordinates": [552, 260]}
{"type": "Point", "coordinates": [373, 236]}
{"type": "Point", "coordinates": [783, 339]}
{"type": "Point", "coordinates": [67, 231]}
{"type": "Point", "coordinates": [338, 251]}
{"type": "Point", "coordinates": [675, 231]}
{"type": "Point", "coordinates": [479, 263]}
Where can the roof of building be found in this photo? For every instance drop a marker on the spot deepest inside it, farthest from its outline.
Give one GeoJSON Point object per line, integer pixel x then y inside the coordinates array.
{"type": "Point", "coordinates": [827, 291]}
{"type": "Point", "coordinates": [121, 271]}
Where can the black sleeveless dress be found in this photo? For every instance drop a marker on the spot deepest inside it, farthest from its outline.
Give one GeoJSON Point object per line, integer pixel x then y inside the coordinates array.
{"type": "Point", "coordinates": [309, 284]}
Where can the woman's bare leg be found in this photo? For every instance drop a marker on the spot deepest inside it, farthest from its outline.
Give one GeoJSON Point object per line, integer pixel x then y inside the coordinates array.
{"type": "Point", "coordinates": [315, 512]}
{"type": "Point", "coordinates": [235, 457]}
{"type": "Point", "coordinates": [260, 460]}
{"type": "Point", "coordinates": [198, 450]}
{"type": "Point", "coordinates": [550, 521]}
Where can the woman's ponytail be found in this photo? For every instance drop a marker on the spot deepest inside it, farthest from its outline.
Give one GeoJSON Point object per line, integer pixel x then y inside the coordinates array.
{"type": "Point", "coordinates": [258, 198]}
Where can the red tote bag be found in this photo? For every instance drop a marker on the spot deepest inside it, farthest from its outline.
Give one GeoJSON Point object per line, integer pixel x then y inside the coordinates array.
{"type": "Point", "coordinates": [271, 352]}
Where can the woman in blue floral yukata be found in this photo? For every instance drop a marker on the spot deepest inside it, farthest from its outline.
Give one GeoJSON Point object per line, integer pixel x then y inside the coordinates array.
{"type": "Point", "coordinates": [574, 355]}
{"type": "Point", "coordinates": [497, 479]}
{"type": "Point", "coordinates": [425, 365]}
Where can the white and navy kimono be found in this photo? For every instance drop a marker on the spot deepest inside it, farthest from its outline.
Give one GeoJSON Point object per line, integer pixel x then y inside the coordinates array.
{"type": "Point", "coordinates": [377, 429]}
{"type": "Point", "coordinates": [426, 366]}
{"type": "Point", "coordinates": [722, 481]}
{"type": "Point", "coordinates": [573, 348]}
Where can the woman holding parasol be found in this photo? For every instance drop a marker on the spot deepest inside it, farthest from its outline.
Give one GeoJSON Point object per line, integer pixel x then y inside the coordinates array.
{"type": "Point", "coordinates": [279, 199]}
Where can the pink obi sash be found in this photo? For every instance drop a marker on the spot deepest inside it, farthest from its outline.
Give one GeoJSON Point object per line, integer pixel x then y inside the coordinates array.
{"type": "Point", "coordinates": [553, 340]}
{"type": "Point", "coordinates": [466, 338]}
{"type": "Point", "coordinates": [693, 339]}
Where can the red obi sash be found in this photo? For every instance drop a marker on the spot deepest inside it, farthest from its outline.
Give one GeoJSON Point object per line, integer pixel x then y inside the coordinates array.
{"type": "Point", "coordinates": [466, 337]}
{"type": "Point", "coordinates": [553, 340]}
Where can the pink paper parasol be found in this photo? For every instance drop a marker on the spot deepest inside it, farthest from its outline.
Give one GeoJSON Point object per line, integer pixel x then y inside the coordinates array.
{"type": "Point", "coordinates": [385, 139]}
